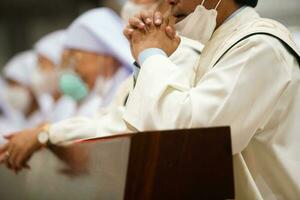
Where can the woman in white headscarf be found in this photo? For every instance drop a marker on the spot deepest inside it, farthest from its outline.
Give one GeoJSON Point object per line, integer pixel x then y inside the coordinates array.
{"type": "Point", "coordinates": [49, 51]}
{"type": "Point", "coordinates": [96, 57]}
{"type": "Point", "coordinates": [10, 118]}
{"type": "Point", "coordinates": [45, 79]}
{"type": "Point", "coordinates": [18, 99]}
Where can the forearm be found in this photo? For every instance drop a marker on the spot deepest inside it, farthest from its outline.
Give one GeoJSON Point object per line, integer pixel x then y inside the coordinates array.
{"type": "Point", "coordinates": [70, 130]}
{"type": "Point", "coordinates": [78, 128]}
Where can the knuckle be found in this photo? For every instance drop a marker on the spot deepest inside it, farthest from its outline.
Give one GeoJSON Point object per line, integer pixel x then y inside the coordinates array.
{"type": "Point", "coordinates": [132, 21]}
{"type": "Point", "coordinates": [158, 14]}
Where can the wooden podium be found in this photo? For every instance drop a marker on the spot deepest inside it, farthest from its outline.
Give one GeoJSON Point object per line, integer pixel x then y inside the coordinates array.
{"type": "Point", "coordinates": [179, 164]}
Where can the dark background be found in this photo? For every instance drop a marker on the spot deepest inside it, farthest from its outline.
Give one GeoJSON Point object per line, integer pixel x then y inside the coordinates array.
{"type": "Point", "coordinates": [23, 22]}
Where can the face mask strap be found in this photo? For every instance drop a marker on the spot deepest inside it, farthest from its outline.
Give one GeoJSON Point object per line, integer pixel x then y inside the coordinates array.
{"type": "Point", "coordinates": [218, 5]}
{"type": "Point", "coordinates": [202, 4]}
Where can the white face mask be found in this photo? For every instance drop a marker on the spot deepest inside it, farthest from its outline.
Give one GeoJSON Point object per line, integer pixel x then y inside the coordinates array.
{"type": "Point", "coordinates": [44, 82]}
{"type": "Point", "coordinates": [18, 98]}
{"type": "Point", "coordinates": [130, 9]}
{"type": "Point", "coordinates": [199, 25]}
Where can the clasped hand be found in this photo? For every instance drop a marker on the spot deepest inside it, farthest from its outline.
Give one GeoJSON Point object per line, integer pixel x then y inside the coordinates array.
{"type": "Point", "coordinates": [151, 30]}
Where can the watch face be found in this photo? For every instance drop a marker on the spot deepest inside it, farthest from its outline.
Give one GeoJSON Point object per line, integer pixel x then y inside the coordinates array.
{"type": "Point", "coordinates": [43, 137]}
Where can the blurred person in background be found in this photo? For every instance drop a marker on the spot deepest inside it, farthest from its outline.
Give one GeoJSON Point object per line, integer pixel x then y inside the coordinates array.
{"type": "Point", "coordinates": [10, 119]}
{"type": "Point", "coordinates": [18, 99]}
{"type": "Point", "coordinates": [96, 60]}
{"type": "Point", "coordinates": [45, 78]}
{"type": "Point", "coordinates": [49, 50]}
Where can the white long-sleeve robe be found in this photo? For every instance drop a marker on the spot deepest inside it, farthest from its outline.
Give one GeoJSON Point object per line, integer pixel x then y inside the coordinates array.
{"type": "Point", "coordinates": [110, 120]}
{"type": "Point", "coordinates": [254, 88]}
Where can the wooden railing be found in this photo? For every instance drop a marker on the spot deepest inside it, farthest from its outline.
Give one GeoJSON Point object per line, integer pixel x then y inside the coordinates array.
{"type": "Point", "coordinates": [181, 164]}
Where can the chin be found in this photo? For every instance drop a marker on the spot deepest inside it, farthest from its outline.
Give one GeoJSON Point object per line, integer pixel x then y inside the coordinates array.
{"type": "Point", "coordinates": [179, 19]}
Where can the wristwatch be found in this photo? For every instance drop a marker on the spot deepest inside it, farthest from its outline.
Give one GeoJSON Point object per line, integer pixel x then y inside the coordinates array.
{"type": "Point", "coordinates": [43, 136]}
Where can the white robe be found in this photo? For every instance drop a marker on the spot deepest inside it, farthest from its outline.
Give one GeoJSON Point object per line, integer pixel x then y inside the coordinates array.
{"type": "Point", "coordinates": [110, 120]}
{"type": "Point", "coordinates": [254, 88]}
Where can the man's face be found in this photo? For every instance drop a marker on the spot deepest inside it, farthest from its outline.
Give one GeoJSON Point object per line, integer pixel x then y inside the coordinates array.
{"type": "Point", "coordinates": [182, 8]}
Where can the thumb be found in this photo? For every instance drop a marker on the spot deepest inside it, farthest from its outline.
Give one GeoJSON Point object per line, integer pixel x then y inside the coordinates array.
{"type": "Point", "coordinates": [128, 33]}
{"type": "Point", "coordinates": [171, 33]}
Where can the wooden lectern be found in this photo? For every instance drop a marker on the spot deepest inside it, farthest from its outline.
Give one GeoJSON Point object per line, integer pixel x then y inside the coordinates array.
{"type": "Point", "coordinates": [179, 164]}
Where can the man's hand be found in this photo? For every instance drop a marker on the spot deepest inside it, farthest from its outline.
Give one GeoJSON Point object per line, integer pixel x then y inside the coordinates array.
{"type": "Point", "coordinates": [151, 30]}
{"type": "Point", "coordinates": [141, 20]}
{"type": "Point", "coordinates": [19, 149]}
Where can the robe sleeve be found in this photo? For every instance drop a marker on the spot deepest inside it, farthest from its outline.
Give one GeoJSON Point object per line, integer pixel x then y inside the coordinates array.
{"type": "Point", "coordinates": [77, 128]}
{"type": "Point", "coordinates": [240, 91]}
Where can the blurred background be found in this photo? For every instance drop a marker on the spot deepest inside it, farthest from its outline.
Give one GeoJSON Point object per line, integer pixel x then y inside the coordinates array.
{"type": "Point", "coordinates": [23, 22]}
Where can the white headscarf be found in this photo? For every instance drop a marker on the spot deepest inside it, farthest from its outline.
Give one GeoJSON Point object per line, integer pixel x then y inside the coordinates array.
{"type": "Point", "coordinates": [11, 120]}
{"type": "Point", "coordinates": [100, 31]}
{"type": "Point", "coordinates": [51, 46]}
{"type": "Point", "coordinates": [20, 68]}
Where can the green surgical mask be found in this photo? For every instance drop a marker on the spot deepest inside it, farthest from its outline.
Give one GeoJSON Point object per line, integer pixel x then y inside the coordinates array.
{"type": "Point", "coordinates": [72, 85]}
